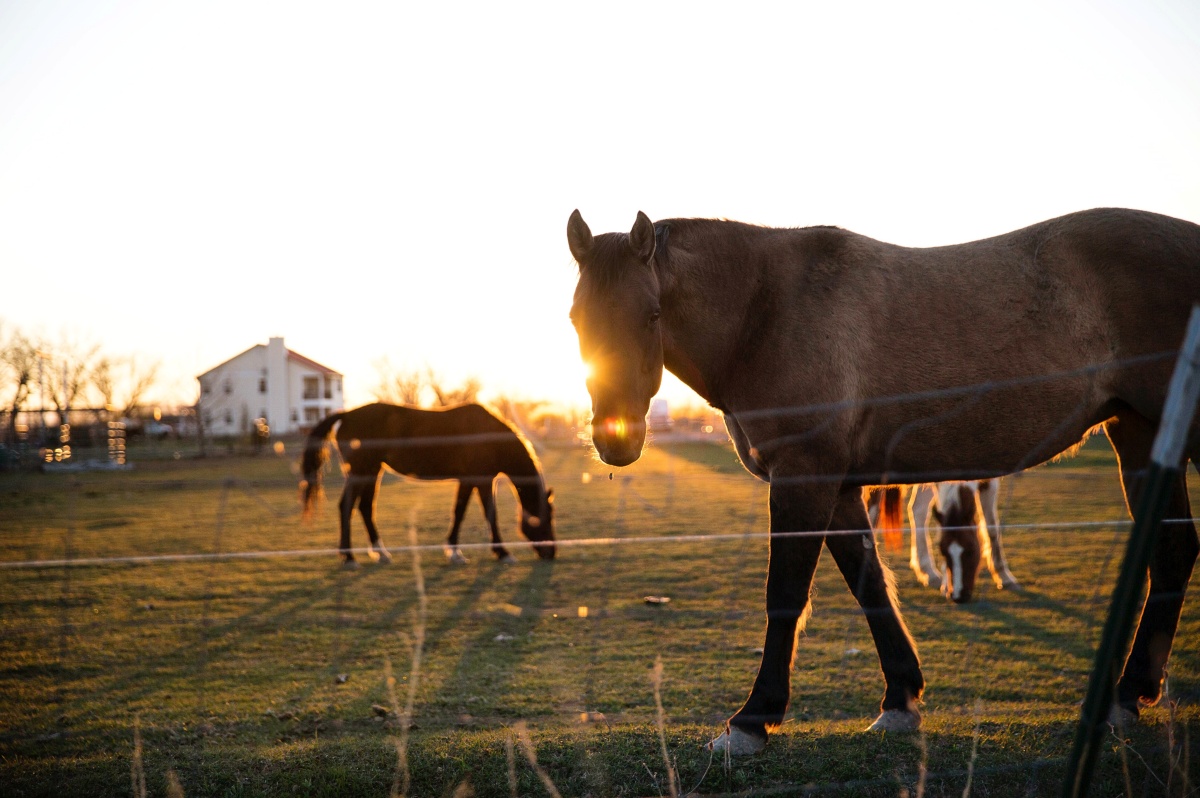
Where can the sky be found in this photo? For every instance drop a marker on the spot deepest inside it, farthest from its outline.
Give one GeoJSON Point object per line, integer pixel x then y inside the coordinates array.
{"type": "Point", "coordinates": [181, 181]}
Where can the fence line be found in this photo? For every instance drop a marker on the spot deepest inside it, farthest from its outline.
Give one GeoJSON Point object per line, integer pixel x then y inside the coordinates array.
{"type": "Point", "coordinates": [144, 559]}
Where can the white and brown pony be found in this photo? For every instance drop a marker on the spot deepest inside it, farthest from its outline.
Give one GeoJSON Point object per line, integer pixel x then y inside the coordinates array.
{"type": "Point", "coordinates": [841, 362]}
{"type": "Point", "coordinates": [968, 519]}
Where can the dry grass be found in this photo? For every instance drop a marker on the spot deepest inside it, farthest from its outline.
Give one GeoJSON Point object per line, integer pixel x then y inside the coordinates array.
{"type": "Point", "coordinates": [228, 676]}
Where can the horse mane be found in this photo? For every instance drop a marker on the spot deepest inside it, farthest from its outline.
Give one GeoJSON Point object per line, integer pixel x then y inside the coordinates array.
{"type": "Point", "coordinates": [690, 227]}
{"type": "Point", "coordinates": [610, 251]}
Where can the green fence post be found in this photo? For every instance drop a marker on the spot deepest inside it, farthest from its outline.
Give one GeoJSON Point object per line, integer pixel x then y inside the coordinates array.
{"type": "Point", "coordinates": [1165, 460]}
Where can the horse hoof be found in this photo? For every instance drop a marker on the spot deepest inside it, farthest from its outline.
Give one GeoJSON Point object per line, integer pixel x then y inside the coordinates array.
{"type": "Point", "coordinates": [349, 565]}
{"type": "Point", "coordinates": [898, 720]}
{"type": "Point", "coordinates": [508, 559]}
{"type": "Point", "coordinates": [455, 556]}
{"type": "Point", "coordinates": [1121, 718]}
{"type": "Point", "coordinates": [380, 556]}
{"type": "Point", "coordinates": [736, 742]}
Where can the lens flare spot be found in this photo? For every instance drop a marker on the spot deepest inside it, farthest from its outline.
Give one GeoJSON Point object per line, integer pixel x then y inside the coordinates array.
{"type": "Point", "coordinates": [279, 447]}
{"type": "Point", "coordinates": [355, 443]}
{"type": "Point", "coordinates": [583, 612]}
{"type": "Point", "coordinates": [615, 427]}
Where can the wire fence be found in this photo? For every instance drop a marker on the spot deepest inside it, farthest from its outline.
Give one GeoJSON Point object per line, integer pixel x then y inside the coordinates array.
{"type": "Point", "coordinates": [186, 595]}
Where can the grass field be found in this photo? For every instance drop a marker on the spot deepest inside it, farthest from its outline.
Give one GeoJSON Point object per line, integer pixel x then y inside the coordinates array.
{"type": "Point", "coordinates": [268, 675]}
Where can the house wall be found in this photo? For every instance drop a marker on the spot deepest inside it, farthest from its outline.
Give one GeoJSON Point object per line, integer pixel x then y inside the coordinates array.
{"type": "Point", "coordinates": [267, 382]}
{"type": "Point", "coordinates": [230, 395]}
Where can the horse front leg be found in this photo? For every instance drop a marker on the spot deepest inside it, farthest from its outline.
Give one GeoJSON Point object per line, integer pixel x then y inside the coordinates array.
{"type": "Point", "coordinates": [872, 585]}
{"type": "Point", "coordinates": [366, 507]}
{"type": "Point", "coordinates": [795, 508]}
{"type": "Point", "coordinates": [453, 552]}
{"type": "Point", "coordinates": [989, 502]}
{"type": "Point", "coordinates": [920, 559]}
{"type": "Point", "coordinates": [487, 496]}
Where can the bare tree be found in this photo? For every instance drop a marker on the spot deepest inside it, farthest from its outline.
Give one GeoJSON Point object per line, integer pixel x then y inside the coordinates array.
{"type": "Point", "coordinates": [141, 379]}
{"type": "Point", "coordinates": [111, 375]}
{"type": "Point", "coordinates": [18, 364]}
{"type": "Point", "coordinates": [103, 379]}
{"type": "Point", "coordinates": [448, 397]}
{"type": "Point", "coordinates": [397, 387]}
{"type": "Point", "coordinates": [421, 388]}
{"type": "Point", "coordinates": [70, 374]}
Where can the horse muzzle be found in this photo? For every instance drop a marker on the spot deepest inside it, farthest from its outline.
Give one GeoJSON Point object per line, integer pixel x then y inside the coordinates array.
{"type": "Point", "coordinates": [619, 440]}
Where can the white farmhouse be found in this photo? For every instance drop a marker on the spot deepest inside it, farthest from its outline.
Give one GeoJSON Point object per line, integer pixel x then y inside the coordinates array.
{"type": "Point", "coordinates": [290, 391]}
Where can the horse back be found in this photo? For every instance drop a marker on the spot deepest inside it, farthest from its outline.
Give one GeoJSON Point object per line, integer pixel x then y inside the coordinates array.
{"type": "Point", "coordinates": [460, 442]}
{"type": "Point", "coordinates": [1071, 317]}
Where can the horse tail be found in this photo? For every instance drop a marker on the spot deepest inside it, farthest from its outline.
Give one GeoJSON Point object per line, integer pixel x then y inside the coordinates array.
{"type": "Point", "coordinates": [890, 521]}
{"type": "Point", "coordinates": [313, 462]}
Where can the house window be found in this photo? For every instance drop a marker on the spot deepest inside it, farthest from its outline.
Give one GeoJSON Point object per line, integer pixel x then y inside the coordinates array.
{"type": "Point", "coordinates": [205, 388]}
{"type": "Point", "coordinates": [262, 384]}
{"type": "Point", "coordinates": [228, 386]}
{"type": "Point", "coordinates": [312, 388]}
{"type": "Point", "coordinates": [310, 415]}
{"type": "Point", "coordinates": [338, 384]}
{"type": "Point", "coordinates": [228, 416]}
{"type": "Point", "coordinates": [328, 388]}
{"type": "Point", "coordinates": [295, 416]}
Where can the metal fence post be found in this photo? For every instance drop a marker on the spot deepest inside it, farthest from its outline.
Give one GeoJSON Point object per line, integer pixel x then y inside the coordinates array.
{"type": "Point", "coordinates": [1163, 470]}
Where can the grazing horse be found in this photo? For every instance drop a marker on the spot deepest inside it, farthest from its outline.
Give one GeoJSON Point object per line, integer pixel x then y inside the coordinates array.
{"type": "Point", "coordinates": [841, 362]}
{"type": "Point", "coordinates": [466, 443]}
{"type": "Point", "coordinates": [960, 508]}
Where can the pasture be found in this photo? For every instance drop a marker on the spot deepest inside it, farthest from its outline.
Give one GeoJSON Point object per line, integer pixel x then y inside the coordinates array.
{"type": "Point", "coordinates": [269, 675]}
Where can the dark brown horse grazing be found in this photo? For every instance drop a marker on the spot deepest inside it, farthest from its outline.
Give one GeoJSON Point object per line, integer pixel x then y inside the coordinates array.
{"type": "Point", "coordinates": [466, 443]}
{"type": "Point", "coordinates": [840, 362]}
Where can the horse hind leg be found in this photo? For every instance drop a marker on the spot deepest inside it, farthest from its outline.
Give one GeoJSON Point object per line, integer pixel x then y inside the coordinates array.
{"type": "Point", "coordinates": [1171, 564]}
{"type": "Point", "coordinates": [872, 585]}
{"type": "Point", "coordinates": [989, 503]}
{"type": "Point", "coordinates": [462, 498]}
{"type": "Point", "coordinates": [366, 507]}
{"type": "Point", "coordinates": [351, 493]}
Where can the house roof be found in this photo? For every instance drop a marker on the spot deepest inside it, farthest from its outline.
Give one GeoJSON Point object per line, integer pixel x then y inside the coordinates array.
{"type": "Point", "coordinates": [295, 357]}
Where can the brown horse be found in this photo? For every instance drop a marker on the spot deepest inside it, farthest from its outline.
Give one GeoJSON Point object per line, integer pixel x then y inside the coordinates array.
{"type": "Point", "coordinates": [840, 362]}
{"type": "Point", "coordinates": [466, 443]}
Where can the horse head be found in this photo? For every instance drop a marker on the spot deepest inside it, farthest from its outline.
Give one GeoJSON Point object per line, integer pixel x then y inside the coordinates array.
{"type": "Point", "coordinates": [616, 315]}
{"type": "Point", "coordinates": [539, 528]}
{"type": "Point", "coordinates": [957, 512]}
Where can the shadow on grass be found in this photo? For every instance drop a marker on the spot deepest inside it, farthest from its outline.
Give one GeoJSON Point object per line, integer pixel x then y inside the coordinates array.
{"type": "Point", "coordinates": [997, 760]}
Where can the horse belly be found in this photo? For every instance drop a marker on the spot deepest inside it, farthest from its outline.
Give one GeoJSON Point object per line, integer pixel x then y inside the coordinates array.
{"type": "Point", "coordinates": [981, 436]}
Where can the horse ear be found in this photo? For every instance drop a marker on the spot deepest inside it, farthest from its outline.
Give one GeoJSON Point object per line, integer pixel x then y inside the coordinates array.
{"type": "Point", "coordinates": [641, 237]}
{"type": "Point", "coordinates": [579, 237]}
{"type": "Point", "coordinates": [550, 496]}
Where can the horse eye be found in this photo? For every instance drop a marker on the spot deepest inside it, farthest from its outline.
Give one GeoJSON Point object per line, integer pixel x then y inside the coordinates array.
{"type": "Point", "coordinates": [654, 317]}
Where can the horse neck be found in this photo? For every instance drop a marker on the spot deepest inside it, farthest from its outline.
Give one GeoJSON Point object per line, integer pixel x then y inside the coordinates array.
{"type": "Point", "coordinates": [526, 477]}
{"type": "Point", "coordinates": [709, 281]}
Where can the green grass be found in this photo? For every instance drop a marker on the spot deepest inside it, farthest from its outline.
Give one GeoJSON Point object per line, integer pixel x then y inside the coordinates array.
{"type": "Point", "coordinates": [232, 669]}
